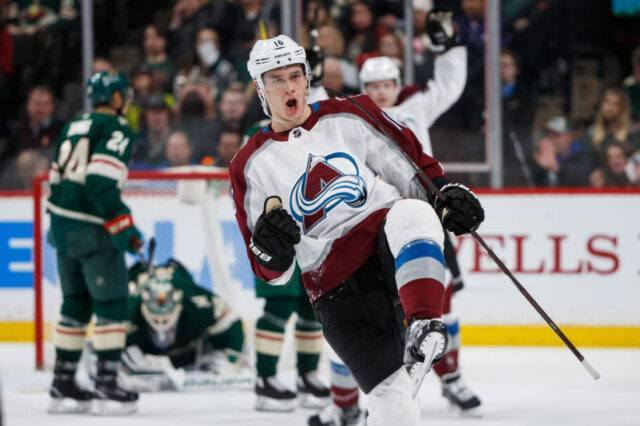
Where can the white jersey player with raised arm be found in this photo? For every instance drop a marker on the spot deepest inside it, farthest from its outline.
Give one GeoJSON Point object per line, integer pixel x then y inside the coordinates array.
{"type": "Point", "coordinates": [412, 106]}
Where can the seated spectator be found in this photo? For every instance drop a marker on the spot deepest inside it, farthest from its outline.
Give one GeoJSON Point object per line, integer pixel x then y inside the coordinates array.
{"type": "Point", "coordinates": [612, 123]}
{"type": "Point", "coordinates": [195, 117]}
{"type": "Point", "coordinates": [73, 105]}
{"type": "Point", "coordinates": [618, 170]}
{"type": "Point", "coordinates": [517, 121]}
{"type": "Point", "coordinates": [149, 150]}
{"type": "Point", "coordinates": [339, 75]}
{"type": "Point", "coordinates": [179, 151]}
{"type": "Point", "coordinates": [187, 18]}
{"type": "Point", "coordinates": [18, 174]}
{"type": "Point", "coordinates": [40, 129]}
{"type": "Point", "coordinates": [232, 108]}
{"type": "Point", "coordinates": [142, 84]}
{"type": "Point", "coordinates": [632, 86]}
{"type": "Point", "coordinates": [391, 46]}
{"type": "Point", "coordinates": [313, 19]}
{"type": "Point", "coordinates": [228, 145]}
{"type": "Point", "coordinates": [560, 159]}
{"type": "Point", "coordinates": [205, 63]}
{"type": "Point", "coordinates": [330, 40]}
{"type": "Point", "coordinates": [363, 34]}
{"type": "Point", "coordinates": [155, 57]}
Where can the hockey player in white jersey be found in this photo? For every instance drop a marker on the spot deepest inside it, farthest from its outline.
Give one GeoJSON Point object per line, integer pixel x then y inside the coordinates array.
{"type": "Point", "coordinates": [353, 210]}
{"type": "Point", "coordinates": [417, 109]}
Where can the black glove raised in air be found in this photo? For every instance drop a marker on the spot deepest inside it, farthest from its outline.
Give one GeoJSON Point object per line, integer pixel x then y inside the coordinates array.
{"type": "Point", "coordinates": [274, 237]}
{"type": "Point", "coordinates": [441, 30]}
{"type": "Point", "coordinates": [462, 212]}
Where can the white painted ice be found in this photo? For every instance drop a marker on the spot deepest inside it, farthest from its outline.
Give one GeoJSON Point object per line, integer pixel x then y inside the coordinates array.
{"type": "Point", "coordinates": [518, 386]}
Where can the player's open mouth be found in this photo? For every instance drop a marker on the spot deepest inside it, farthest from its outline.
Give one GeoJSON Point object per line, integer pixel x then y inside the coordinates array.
{"type": "Point", "coordinates": [292, 104]}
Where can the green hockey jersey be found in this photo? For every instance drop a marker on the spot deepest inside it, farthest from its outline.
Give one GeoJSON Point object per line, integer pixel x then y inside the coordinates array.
{"type": "Point", "coordinates": [90, 168]}
{"type": "Point", "coordinates": [204, 315]}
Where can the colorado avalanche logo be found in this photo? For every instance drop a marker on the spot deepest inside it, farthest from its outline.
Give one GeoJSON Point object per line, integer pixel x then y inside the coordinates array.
{"type": "Point", "coordinates": [326, 183]}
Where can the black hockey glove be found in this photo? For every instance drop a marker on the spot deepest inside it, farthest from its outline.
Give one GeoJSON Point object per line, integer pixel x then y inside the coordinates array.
{"type": "Point", "coordinates": [462, 212]}
{"type": "Point", "coordinates": [274, 237]}
{"type": "Point", "coordinates": [315, 56]}
{"type": "Point", "coordinates": [441, 30]}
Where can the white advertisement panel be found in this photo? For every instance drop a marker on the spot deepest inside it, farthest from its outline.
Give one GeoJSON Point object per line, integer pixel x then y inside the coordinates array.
{"type": "Point", "coordinates": [577, 254]}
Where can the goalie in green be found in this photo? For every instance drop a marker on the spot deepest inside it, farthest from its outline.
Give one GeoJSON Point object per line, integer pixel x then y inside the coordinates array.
{"type": "Point", "coordinates": [181, 336]}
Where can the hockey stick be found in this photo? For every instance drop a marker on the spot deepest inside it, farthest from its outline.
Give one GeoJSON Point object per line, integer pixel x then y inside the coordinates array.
{"type": "Point", "coordinates": [147, 263]}
{"type": "Point", "coordinates": [423, 176]}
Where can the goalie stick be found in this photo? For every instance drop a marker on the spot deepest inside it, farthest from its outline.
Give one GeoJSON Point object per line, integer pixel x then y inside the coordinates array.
{"type": "Point", "coordinates": [423, 176]}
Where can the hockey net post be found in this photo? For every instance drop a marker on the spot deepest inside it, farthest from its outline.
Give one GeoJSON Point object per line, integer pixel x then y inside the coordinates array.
{"type": "Point", "coordinates": [203, 235]}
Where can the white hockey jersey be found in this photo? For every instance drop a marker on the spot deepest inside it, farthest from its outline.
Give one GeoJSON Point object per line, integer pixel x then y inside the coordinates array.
{"type": "Point", "coordinates": [418, 108]}
{"type": "Point", "coordinates": [337, 174]}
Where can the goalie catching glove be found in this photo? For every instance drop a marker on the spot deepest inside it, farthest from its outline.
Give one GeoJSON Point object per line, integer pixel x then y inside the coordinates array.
{"type": "Point", "coordinates": [462, 212]}
{"type": "Point", "coordinates": [274, 237]}
{"type": "Point", "coordinates": [441, 31]}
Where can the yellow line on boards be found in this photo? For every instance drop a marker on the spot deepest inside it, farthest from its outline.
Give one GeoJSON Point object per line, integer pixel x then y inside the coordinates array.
{"type": "Point", "coordinates": [518, 335]}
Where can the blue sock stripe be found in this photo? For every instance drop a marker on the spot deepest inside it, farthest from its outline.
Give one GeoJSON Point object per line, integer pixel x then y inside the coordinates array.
{"type": "Point", "coordinates": [453, 329]}
{"type": "Point", "coordinates": [420, 248]}
{"type": "Point", "coordinates": [339, 369]}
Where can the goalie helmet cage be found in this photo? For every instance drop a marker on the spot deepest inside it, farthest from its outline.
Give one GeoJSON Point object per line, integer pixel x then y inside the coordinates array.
{"type": "Point", "coordinates": [191, 215]}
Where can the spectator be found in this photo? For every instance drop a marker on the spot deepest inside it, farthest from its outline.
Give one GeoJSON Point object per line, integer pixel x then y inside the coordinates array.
{"type": "Point", "coordinates": [40, 129]}
{"type": "Point", "coordinates": [237, 23]}
{"type": "Point", "coordinates": [29, 164]}
{"type": "Point", "coordinates": [632, 86]}
{"type": "Point", "coordinates": [561, 160]}
{"type": "Point", "coordinates": [311, 20]}
{"type": "Point", "coordinates": [233, 108]}
{"type": "Point", "coordinates": [142, 84]}
{"type": "Point", "coordinates": [156, 58]}
{"type": "Point", "coordinates": [363, 32]}
{"type": "Point", "coordinates": [7, 70]}
{"type": "Point", "coordinates": [618, 170]}
{"type": "Point", "coordinates": [423, 56]}
{"type": "Point", "coordinates": [228, 144]}
{"type": "Point", "coordinates": [179, 151]}
{"type": "Point", "coordinates": [73, 105]}
{"type": "Point", "coordinates": [612, 123]}
{"type": "Point", "coordinates": [187, 18]}
{"type": "Point", "coordinates": [391, 46]}
{"type": "Point", "coordinates": [205, 64]}
{"type": "Point", "coordinates": [196, 113]}
{"type": "Point", "coordinates": [330, 40]}
{"type": "Point", "coordinates": [332, 76]}
{"type": "Point", "coordinates": [517, 120]}
{"type": "Point", "coordinates": [156, 126]}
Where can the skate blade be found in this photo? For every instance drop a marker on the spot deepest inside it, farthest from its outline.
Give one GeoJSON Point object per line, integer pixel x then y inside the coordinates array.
{"type": "Point", "coordinates": [68, 406]}
{"type": "Point", "coordinates": [310, 401]}
{"type": "Point", "coordinates": [107, 407]}
{"type": "Point", "coordinates": [469, 413]}
{"type": "Point", "coordinates": [275, 405]}
{"type": "Point", "coordinates": [420, 369]}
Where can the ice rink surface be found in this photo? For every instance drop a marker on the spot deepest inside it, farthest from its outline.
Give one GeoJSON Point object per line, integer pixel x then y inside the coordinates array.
{"type": "Point", "coordinates": [518, 386]}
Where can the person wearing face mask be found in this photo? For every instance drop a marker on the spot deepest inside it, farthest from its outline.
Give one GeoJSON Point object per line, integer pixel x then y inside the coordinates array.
{"type": "Point", "coordinates": [205, 64]}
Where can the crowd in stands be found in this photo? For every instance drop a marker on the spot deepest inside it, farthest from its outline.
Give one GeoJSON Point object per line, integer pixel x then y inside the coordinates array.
{"type": "Point", "coordinates": [193, 100]}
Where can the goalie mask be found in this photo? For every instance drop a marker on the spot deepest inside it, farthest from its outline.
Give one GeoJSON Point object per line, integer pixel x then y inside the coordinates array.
{"type": "Point", "coordinates": [161, 307]}
{"type": "Point", "coordinates": [273, 53]}
{"type": "Point", "coordinates": [379, 69]}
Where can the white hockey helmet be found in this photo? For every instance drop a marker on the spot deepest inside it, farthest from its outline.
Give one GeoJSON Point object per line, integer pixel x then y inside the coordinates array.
{"type": "Point", "coordinates": [273, 53]}
{"type": "Point", "coordinates": [378, 69]}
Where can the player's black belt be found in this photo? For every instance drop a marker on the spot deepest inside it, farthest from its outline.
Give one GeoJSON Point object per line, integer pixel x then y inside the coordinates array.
{"type": "Point", "coordinates": [365, 280]}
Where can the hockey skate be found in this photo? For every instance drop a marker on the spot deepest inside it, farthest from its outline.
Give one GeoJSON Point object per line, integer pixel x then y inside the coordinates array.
{"type": "Point", "coordinates": [426, 342]}
{"type": "Point", "coordinates": [66, 396]}
{"type": "Point", "coordinates": [460, 396]}
{"type": "Point", "coordinates": [109, 397]}
{"type": "Point", "coordinates": [312, 393]}
{"type": "Point", "coordinates": [332, 415]}
{"type": "Point", "coordinates": [271, 395]}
